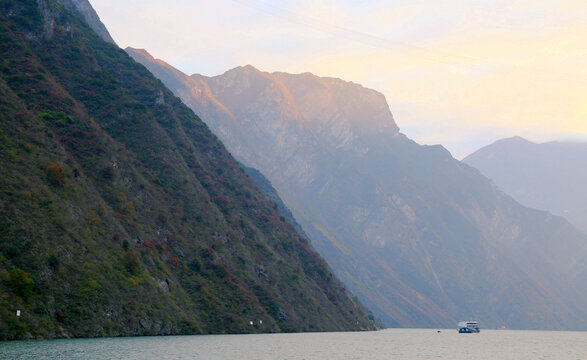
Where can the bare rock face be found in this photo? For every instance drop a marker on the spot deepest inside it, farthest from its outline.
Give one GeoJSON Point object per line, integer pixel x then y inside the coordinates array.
{"type": "Point", "coordinates": [304, 117]}
{"type": "Point", "coordinates": [422, 239]}
{"type": "Point", "coordinates": [87, 12]}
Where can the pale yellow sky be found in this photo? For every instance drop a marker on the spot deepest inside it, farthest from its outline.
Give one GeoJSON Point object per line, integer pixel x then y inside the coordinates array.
{"type": "Point", "coordinates": [458, 73]}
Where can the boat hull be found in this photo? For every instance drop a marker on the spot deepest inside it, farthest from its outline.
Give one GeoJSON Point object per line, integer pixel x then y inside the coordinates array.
{"type": "Point", "coordinates": [468, 331]}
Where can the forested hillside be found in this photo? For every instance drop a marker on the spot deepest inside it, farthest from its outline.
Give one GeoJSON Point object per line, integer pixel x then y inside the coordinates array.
{"type": "Point", "coordinates": [120, 212]}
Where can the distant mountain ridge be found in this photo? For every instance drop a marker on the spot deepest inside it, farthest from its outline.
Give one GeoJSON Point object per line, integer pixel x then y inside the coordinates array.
{"type": "Point", "coordinates": [549, 176]}
{"type": "Point", "coordinates": [423, 239]}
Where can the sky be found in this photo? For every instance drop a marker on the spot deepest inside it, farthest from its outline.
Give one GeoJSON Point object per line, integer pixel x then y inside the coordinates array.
{"type": "Point", "coordinates": [458, 73]}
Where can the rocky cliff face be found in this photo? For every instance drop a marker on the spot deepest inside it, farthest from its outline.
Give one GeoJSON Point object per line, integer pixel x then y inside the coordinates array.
{"type": "Point", "coordinates": [87, 12]}
{"type": "Point", "coordinates": [549, 176]}
{"type": "Point", "coordinates": [420, 237]}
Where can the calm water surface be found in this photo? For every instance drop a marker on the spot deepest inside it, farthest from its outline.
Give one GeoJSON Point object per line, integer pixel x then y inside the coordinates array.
{"type": "Point", "coordinates": [384, 344]}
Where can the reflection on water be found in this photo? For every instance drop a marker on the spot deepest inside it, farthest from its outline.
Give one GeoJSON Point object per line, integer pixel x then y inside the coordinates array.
{"type": "Point", "coordinates": [385, 344]}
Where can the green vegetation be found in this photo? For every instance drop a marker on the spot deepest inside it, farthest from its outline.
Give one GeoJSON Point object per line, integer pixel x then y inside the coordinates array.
{"type": "Point", "coordinates": [121, 215]}
{"type": "Point", "coordinates": [21, 284]}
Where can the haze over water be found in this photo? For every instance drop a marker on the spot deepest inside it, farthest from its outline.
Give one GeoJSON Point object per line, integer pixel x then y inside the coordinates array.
{"type": "Point", "coordinates": [386, 344]}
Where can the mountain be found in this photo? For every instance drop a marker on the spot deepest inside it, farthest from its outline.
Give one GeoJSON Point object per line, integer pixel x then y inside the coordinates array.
{"type": "Point", "coordinates": [422, 239]}
{"type": "Point", "coordinates": [269, 191]}
{"type": "Point", "coordinates": [122, 214]}
{"type": "Point", "coordinates": [84, 9]}
{"type": "Point", "coordinates": [549, 176]}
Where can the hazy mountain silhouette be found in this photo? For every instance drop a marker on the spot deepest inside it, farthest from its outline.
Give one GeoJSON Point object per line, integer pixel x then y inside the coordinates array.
{"type": "Point", "coordinates": [550, 176]}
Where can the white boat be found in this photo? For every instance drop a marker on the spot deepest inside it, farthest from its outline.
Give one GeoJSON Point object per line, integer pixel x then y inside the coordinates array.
{"type": "Point", "coordinates": [467, 327]}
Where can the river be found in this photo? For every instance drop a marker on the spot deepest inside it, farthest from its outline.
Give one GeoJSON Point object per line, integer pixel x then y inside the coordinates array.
{"type": "Point", "coordinates": [385, 344]}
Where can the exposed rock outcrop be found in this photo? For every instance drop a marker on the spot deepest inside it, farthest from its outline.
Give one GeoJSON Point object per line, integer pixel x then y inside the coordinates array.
{"type": "Point", "coordinates": [87, 12]}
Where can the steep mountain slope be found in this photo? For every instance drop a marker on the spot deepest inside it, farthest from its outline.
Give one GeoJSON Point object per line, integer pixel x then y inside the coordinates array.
{"type": "Point", "coordinates": [270, 193]}
{"type": "Point", "coordinates": [121, 213]}
{"type": "Point", "coordinates": [422, 238]}
{"type": "Point", "coordinates": [87, 12]}
{"type": "Point", "coordinates": [549, 176]}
